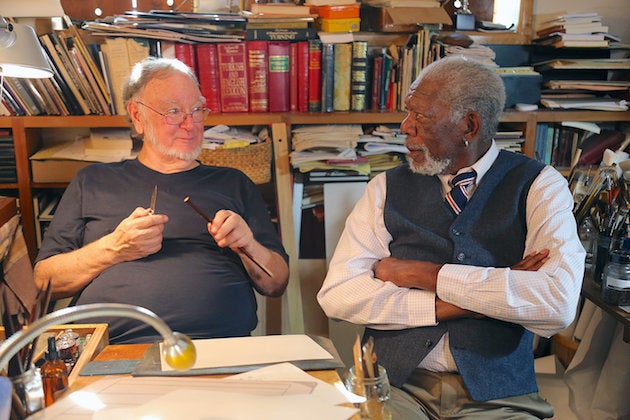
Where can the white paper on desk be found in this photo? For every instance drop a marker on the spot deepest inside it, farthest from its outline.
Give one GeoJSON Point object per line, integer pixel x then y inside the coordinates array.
{"type": "Point", "coordinates": [247, 351]}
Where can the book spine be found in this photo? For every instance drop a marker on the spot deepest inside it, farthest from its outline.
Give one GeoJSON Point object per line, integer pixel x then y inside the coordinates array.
{"type": "Point", "coordinates": [208, 71]}
{"type": "Point", "coordinates": [303, 82]}
{"type": "Point", "coordinates": [341, 77]}
{"type": "Point", "coordinates": [257, 56]}
{"type": "Point", "coordinates": [279, 77]}
{"type": "Point", "coordinates": [233, 76]}
{"type": "Point", "coordinates": [280, 34]}
{"type": "Point", "coordinates": [293, 77]}
{"type": "Point", "coordinates": [377, 71]}
{"type": "Point", "coordinates": [328, 71]}
{"type": "Point", "coordinates": [314, 76]}
{"type": "Point", "coordinates": [385, 79]}
{"type": "Point", "coordinates": [186, 54]}
{"type": "Point", "coordinates": [358, 77]}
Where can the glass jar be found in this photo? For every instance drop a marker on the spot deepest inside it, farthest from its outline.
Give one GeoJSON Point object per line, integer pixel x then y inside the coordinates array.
{"type": "Point", "coordinates": [616, 279]}
{"type": "Point", "coordinates": [601, 256]}
{"type": "Point", "coordinates": [376, 391]}
{"type": "Point", "coordinates": [29, 390]}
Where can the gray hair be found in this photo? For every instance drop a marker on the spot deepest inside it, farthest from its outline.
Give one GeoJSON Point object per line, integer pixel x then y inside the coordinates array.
{"type": "Point", "coordinates": [468, 85]}
{"type": "Point", "coordinates": [153, 68]}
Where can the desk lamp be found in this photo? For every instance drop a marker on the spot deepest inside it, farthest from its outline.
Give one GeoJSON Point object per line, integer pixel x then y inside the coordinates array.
{"type": "Point", "coordinates": [177, 349]}
{"type": "Point", "coordinates": [21, 54]}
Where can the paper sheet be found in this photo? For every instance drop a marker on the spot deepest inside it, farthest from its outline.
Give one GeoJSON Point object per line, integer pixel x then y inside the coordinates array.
{"type": "Point", "coordinates": [279, 391]}
{"type": "Point", "coordinates": [238, 351]}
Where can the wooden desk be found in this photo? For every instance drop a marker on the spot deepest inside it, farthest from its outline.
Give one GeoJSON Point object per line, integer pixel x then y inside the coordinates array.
{"type": "Point", "coordinates": [136, 351]}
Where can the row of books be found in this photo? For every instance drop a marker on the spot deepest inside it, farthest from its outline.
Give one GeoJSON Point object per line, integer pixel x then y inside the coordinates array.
{"type": "Point", "coordinates": [8, 172]}
{"type": "Point", "coordinates": [242, 76]}
{"type": "Point", "coordinates": [567, 144]}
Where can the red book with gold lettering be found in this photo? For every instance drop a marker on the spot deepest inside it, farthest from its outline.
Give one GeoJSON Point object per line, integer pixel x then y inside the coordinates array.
{"type": "Point", "coordinates": [314, 75]}
{"type": "Point", "coordinates": [258, 87]}
{"type": "Point", "coordinates": [208, 73]}
{"type": "Point", "coordinates": [233, 76]}
{"type": "Point", "coordinates": [186, 53]}
{"type": "Point", "coordinates": [293, 77]}
{"type": "Point", "coordinates": [279, 76]}
{"type": "Point", "coordinates": [303, 83]}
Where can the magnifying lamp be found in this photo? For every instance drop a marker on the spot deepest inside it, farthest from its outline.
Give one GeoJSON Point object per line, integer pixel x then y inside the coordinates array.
{"type": "Point", "coordinates": [177, 349]}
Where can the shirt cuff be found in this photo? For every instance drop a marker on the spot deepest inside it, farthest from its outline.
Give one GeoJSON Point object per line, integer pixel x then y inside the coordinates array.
{"type": "Point", "coordinates": [421, 308]}
{"type": "Point", "coordinates": [451, 282]}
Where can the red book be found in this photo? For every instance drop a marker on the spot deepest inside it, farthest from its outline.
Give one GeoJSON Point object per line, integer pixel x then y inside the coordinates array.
{"type": "Point", "coordinates": [293, 77]}
{"type": "Point", "coordinates": [302, 78]}
{"type": "Point", "coordinates": [233, 76]}
{"type": "Point", "coordinates": [186, 53]}
{"type": "Point", "coordinates": [257, 57]}
{"type": "Point", "coordinates": [377, 71]}
{"type": "Point", "coordinates": [279, 77]}
{"type": "Point", "coordinates": [314, 75]}
{"type": "Point", "coordinates": [208, 71]}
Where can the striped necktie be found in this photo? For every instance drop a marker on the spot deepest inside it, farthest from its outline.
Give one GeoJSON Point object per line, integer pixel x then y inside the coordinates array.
{"type": "Point", "coordinates": [460, 185]}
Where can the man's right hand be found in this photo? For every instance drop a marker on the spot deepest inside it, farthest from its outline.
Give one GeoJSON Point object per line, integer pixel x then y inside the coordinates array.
{"type": "Point", "coordinates": [139, 235]}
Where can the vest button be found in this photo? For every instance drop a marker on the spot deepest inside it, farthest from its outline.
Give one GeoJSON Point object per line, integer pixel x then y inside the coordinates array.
{"type": "Point", "coordinates": [428, 343]}
{"type": "Point", "coordinates": [461, 256]}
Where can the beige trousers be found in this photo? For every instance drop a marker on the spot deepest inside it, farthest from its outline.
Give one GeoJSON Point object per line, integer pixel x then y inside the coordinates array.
{"type": "Point", "coordinates": [431, 395]}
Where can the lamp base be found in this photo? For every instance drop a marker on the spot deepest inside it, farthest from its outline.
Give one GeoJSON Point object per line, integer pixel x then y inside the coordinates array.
{"type": "Point", "coordinates": [464, 22]}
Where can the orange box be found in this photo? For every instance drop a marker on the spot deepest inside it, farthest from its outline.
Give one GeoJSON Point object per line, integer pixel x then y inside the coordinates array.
{"type": "Point", "coordinates": [341, 11]}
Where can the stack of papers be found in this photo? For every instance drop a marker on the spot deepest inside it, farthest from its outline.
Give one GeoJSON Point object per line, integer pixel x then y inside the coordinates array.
{"type": "Point", "coordinates": [327, 147]}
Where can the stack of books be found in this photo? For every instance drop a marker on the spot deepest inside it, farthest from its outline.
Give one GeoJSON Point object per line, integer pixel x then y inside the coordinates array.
{"type": "Point", "coordinates": [583, 30]}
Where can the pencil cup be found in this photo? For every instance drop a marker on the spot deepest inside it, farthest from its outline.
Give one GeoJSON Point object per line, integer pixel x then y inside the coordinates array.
{"type": "Point", "coordinates": [376, 392]}
{"type": "Point", "coordinates": [29, 390]}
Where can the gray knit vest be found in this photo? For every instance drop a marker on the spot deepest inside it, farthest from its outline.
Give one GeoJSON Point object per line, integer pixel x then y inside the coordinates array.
{"type": "Point", "coordinates": [494, 358]}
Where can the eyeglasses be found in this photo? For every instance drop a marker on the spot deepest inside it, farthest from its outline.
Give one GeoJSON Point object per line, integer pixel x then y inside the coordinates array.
{"type": "Point", "coordinates": [177, 116]}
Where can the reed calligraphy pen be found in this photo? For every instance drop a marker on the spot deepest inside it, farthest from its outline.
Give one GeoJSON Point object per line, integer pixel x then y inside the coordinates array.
{"type": "Point", "coordinates": [188, 201]}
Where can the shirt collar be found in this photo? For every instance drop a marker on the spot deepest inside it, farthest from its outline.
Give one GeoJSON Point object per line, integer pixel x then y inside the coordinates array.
{"type": "Point", "coordinates": [481, 166]}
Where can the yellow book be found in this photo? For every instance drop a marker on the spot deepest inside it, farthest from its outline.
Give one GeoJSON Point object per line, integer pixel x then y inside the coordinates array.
{"type": "Point", "coordinates": [339, 25]}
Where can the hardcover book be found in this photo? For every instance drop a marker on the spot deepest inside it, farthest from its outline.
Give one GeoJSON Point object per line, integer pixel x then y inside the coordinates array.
{"type": "Point", "coordinates": [341, 78]}
{"type": "Point", "coordinates": [377, 73]}
{"type": "Point", "coordinates": [358, 77]}
{"type": "Point", "coordinates": [208, 73]}
{"type": "Point", "coordinates": [257, 57]}
{"type": "Point", "coordinates": [314, 75]}
{"type": "Point", "coordinates": [186, 53]}
{"type": "Point", "coordinates": [328, 71]}
{"type": "Point", "coordinates": [293, 76]}
{"type": "Point", "coordinates": [233, 76]}
{"type": "Point", "coordinates": [279, 77]}
{"type": "Point", "coordinates": [302, 71]}
{"type": "Point", "coordinates": [281, 34]}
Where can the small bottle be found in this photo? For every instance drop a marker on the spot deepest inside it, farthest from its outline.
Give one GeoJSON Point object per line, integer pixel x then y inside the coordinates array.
{"type": "Point", "coordinates": [54, 374]}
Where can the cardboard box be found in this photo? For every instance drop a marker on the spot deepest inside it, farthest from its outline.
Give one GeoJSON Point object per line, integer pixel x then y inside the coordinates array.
{"type": "Point", "coordinates": [337, 12]}
{"type": "Point", "coordinates": [52, 170]}
{"type": "Point", "coordinates": [339, 25]}
{"type": "Point", "coordinates": [401, 19]}
{"type": "Point", "coordinates": [97, 342]}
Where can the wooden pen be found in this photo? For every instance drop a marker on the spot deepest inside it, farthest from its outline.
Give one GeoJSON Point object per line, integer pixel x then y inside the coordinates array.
{"type": "Point", "coordinates": [188, 201]}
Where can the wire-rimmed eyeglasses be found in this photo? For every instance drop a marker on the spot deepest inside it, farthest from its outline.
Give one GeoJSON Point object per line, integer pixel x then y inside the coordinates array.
{"type": "Point", "coordinates": [176, 116]}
